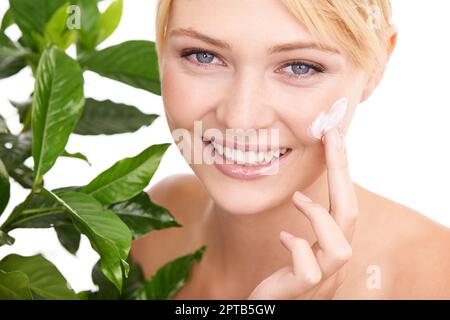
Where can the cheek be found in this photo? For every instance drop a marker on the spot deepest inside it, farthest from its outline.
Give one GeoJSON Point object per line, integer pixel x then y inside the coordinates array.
{"type": "Point", "coordinates": [183, 102]}
{"type": "Point", "coordinates": [298, 118]}
{"type": "Point", "coordinates": [298, 107]}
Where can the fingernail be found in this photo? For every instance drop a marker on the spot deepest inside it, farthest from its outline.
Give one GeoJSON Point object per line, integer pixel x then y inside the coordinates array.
{"type": "Point", "coordinates": [301, 197]}
{"type": "Point", "coordinates": [285, 235]}
{"type": "Point", "coordinates": [324, 132]}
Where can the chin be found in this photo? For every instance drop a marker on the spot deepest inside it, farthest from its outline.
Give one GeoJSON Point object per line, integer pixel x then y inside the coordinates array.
{"type": "Point", "coordinates": [239, 199]}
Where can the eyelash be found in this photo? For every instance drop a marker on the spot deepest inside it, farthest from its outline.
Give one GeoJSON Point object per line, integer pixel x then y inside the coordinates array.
{"type": "Point", "coordinates": [317, 68]}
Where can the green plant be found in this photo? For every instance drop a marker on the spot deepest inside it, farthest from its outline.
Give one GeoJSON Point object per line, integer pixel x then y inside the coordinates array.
{"type": "Point", "coordinates": [112, 209]}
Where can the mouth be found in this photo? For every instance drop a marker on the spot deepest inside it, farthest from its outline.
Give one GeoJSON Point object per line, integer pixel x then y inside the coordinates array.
{"type": "Point", "coordinates": [247, 164]}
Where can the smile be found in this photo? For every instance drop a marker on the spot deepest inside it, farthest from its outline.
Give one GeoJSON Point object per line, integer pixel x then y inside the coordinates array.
{"type": "Point", "coordinates": [247, 165]}
{"type": "Point", "coordinates": [251, 158]}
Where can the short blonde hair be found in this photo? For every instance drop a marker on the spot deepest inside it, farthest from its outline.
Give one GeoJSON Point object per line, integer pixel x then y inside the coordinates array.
{"type": "Point", "coordinates": [357, 26]}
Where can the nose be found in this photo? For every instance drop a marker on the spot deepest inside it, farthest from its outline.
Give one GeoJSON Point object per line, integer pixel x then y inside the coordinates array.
{"type": "Point", "coordinates": [247, 103]}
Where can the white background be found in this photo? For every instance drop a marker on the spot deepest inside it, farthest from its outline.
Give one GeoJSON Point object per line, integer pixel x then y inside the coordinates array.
{"type": "Point", "coordinates": [398, 143]}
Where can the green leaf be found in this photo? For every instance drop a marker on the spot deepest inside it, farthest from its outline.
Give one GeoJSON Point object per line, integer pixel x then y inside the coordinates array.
{"type": "Point", "coordinates": [90, 24]}
{"type": "Point", "coordinates": [32, 16]}
{"type": "Point", "coordinates": [97, 27]}
{"type": "Point", "coordinates": [6, 239]}
{"type": "Point", "coordinates": [39, 212]}
{"type": "Point", "coordinates": [142, 215]}
{"type": "Point", "coordinates": [14, 150]}
{"type": "Point", "coordinates": [109, 20]}
{"type": "Point", "coordinates": [108, 235]}
{"type": "Point", "coordinates": [22, 108]}
{"type": "Point", "coordinates": [170, 277]}
{"type": "Point", "coordinates": [57, 105]}
{"type": "Point", "coordinates": [134, 282]}
{"type": "Point", "coordinates": [69, 237]}
{"type": "Point", "coordinates": [127, 177]}
{"type": "Point", "coordinates": [56, 30]}
{"type": "Point", "coordinates": [76, 155]}
{"type": "Point", "coordinates": [10, 66]}
{"type": "Point", "coordinates": [106, 290]}
{"type": "Point", "coordinates": [107, 117]}
{"type": "Point", "coordinates": [3, 126]}
{"type": "Point", "coordinates": [45, 217]}
{"type": "Point", "coordinates": [23, 175]}
{"type": "Point", "coordinates": [14, 286]}
{"type": "Point", "coordinates": [7, 20]}
{"type": "Point", "coordinates": [4, 187]}
{"type": "Point", "coordinates": [84, 295]}
{"type": "Point", "coordinates": [8, 48]}
{"type": "Point", "coordinates": [45, 279]}
{"type": "Point", "coordinates": [132, 62]}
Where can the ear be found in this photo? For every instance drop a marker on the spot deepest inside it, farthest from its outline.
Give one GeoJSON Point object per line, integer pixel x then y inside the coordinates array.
{"type": "Point", "coordinates": [376, 76]}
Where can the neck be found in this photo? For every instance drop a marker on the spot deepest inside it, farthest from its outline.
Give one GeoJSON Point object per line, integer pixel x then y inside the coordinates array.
{"type": "Point", "coordinates": [245, 249]}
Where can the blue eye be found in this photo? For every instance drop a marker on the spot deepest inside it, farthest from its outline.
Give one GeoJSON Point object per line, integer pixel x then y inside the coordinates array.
{"type": "Point", "coordinates": [204, 57]}
{"type": "Point", "coordinates": [201, 57]}
{"type": "Point", "coordinates": [300, 69]}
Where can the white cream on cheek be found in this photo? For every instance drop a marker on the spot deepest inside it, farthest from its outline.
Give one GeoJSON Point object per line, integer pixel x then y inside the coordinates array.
{"type": "Point", "coordinates": [330, 119]}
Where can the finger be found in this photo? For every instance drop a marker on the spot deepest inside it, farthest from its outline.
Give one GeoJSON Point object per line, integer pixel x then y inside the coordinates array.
{"type": "Point", "coordinates": [343, 202]}
{"type": "Point", "coordinates": [291, 281]}
{"type": "Point", "coordinates": [305, 272]}
{"type": "Point", "coordinates": [302, 254]}
{"type": "Point", "coordinates": [333, 248]}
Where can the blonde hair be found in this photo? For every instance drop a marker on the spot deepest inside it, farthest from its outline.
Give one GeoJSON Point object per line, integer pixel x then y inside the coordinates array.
{"type": "Point", "coordinates": [357, 26]}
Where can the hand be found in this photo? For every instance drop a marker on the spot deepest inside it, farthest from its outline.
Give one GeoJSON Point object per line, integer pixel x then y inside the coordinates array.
{"type": "Point", "coordinates": [318, 270]}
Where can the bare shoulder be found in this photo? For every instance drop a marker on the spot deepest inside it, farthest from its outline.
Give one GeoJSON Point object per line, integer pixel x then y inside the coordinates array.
{"type": "Point", "coordinates": [412, 248]}
{"type": "Point", "coordinates": [423, 258]}
{"type": "Point", "coordinates": [181, 194]}
{"type": "Point", "coordinates": [184, 196]}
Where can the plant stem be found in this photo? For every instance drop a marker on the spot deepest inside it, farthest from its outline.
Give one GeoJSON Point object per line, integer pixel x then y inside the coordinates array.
{"type": "Point", "coordinates": [27, 121]}
{"type": "Point", "coordinates": [19, 209]}
{"type": "Point", "coordinates": [42, 210]}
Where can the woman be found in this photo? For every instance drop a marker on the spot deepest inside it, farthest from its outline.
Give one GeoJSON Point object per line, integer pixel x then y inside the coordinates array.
{"type": "Point", "coordinates": [300, 67]}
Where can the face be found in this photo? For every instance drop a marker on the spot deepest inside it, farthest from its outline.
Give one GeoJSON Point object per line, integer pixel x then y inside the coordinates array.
{"type": "Point", "coordinates": [238, 81]}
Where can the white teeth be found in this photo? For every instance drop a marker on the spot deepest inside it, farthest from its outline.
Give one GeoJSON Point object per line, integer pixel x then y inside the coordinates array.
{"type": "Point", "coordinates": [248, 157]}
{"type": "Point", "coordinates": [218, 147]}
{"type": "Point", "coordinates": [228, 153]}
{"type": "Point", "coordinates": [251, 157]}
{"type": "Point", "coordinates": [261, 157]}
{"type": "Point", "coordinates": [268, 156]}
{"type": "Point", "coordinates": [240, 156]}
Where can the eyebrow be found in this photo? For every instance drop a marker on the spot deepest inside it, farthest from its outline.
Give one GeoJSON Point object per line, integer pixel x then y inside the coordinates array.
{"type": "Point", "coordinates": [272, 50]}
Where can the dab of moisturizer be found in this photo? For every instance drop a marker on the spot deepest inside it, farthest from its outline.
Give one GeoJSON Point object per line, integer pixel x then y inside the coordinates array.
{"type": "Point", "coordinates": [330, 119]}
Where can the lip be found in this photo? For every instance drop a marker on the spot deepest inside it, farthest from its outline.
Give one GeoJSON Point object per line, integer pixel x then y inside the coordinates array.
{"type": "Point", "coordinates": [246, 172]}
